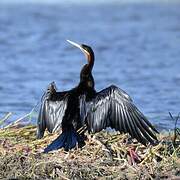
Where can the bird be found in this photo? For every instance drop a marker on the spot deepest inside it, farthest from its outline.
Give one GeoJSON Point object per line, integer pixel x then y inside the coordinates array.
{"type": "Point", "coordinates": [82, 107]}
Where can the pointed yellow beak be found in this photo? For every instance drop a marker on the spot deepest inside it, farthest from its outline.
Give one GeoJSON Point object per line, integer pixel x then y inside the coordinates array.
{"type": "Point", "coordinates": [78, 46]}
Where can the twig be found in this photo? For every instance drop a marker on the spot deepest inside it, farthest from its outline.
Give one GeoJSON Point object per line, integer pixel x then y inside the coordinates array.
{"type": "Point", "coordinates": [18, 120]}
{"type": "Point", "coordinates": [7, 116]}
{"type": "Point", "coordinates": [82, 129]}
{"type": "Point", "coordinates": [28, 114]}
{"type": "Point", "coordinates": [21, 118]}
{"type": "Point", "coordinates": [175, 127]}
{"type": "Point", "coordinates": [104, 147]}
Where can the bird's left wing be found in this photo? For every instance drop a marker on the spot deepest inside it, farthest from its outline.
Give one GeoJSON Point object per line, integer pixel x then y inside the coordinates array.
{"type": "Point", "coordinates": [112, 107]}
{"type": "Point", "coordinates": [51, 111]}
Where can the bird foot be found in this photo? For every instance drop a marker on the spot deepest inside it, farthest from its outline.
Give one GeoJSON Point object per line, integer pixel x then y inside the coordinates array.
{"type": "Point", "coordinates": [134, 157]}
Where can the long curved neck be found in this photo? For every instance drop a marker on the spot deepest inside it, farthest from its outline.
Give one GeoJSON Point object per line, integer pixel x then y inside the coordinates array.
{"type": "Point", "coordinates": [86, 78]}
{"type": "Point", "coordinates": [90, 58]}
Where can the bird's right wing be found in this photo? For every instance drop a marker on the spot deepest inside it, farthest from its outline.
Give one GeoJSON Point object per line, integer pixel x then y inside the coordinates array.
{"type": "Point", "coordinates": [51, 111]}
{"type": "Point", "coordinates": [112, 107]}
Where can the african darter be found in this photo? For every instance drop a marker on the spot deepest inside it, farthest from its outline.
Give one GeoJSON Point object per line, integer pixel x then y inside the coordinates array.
{"type": "Point", "coordinates": [83, 106]}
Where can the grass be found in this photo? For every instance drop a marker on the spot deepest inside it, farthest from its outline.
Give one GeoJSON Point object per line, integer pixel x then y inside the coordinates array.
{"type": "Point", "coordinates": [105, 156]}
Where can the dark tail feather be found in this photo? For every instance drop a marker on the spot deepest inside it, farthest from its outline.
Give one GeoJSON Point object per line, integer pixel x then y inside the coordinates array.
{"type": "Point", "coordinates": [68, 140]}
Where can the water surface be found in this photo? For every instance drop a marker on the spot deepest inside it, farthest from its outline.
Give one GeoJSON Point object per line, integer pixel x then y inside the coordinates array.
{"type": "Point", "coordinates": [137, 47]}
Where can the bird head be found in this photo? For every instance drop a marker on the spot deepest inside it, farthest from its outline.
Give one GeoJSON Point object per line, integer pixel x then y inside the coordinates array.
{"type": "Point", "coordinates": [87, 50]}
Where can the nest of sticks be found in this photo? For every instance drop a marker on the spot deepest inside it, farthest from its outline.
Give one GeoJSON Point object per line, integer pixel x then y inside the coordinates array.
{"type": "Point", "coordinates": [106, 155]}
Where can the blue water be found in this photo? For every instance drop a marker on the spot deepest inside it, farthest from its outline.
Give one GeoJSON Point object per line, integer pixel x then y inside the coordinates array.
{"type": "Point", "coordinates": [137, 47]}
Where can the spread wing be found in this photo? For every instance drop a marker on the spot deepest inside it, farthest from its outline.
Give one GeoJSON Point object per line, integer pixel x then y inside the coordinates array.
{"type": "Point", "coordinates": [51, 111]}
{"type": "Point", "coordinates": [112, 107]}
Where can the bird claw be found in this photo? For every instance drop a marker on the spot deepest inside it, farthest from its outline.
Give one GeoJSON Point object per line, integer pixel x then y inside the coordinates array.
{"type": "Point", "coordinates": [134, 157]}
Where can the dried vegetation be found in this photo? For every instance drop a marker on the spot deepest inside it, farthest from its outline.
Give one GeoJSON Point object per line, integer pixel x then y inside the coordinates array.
{"type": "Point", "coordinates": [105, 156]}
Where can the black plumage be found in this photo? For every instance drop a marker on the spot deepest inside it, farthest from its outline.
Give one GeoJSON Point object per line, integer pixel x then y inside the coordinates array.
{"type": "Point", "coordinates": [82, 105]}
